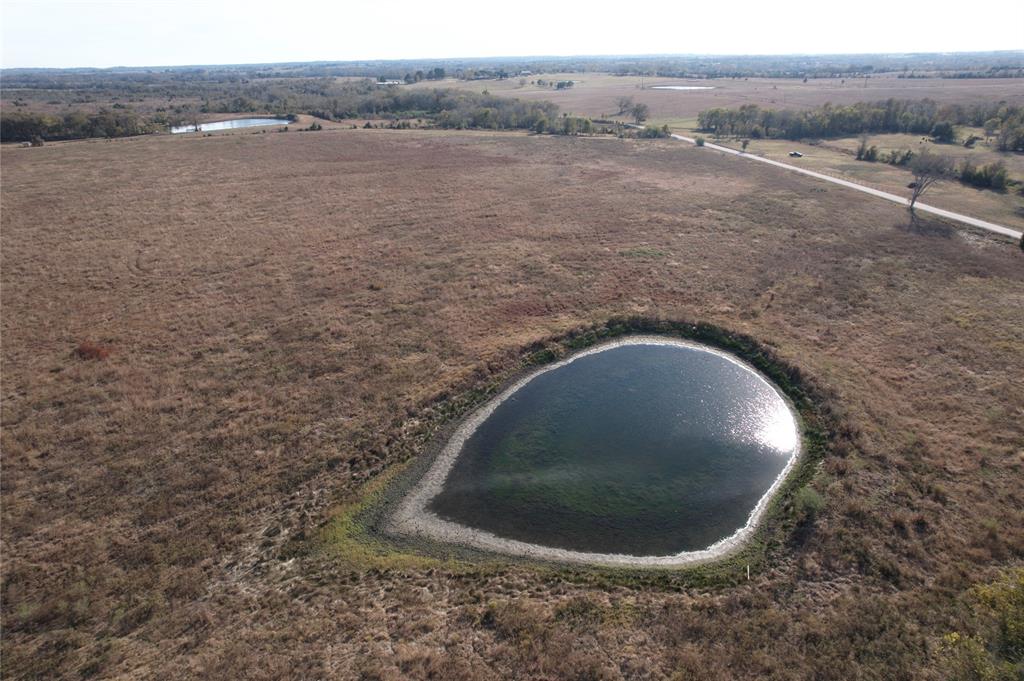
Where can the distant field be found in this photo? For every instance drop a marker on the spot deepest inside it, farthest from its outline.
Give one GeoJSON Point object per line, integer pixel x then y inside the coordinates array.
{"type": "Point", "coordinates": [282, 318]}
{"type": "Point", "coordinates": [595, 95]}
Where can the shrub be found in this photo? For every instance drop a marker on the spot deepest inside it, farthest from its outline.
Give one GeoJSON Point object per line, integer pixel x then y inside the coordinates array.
{"type": "Point", "coordinates": [999, 652]}
{"type": "Point", "coordinates": [899, 157]}
{"type": "Point", "coordinates": [652, 132]}
{"type": "Point", "coordinates": [943, 131]}
{"type": "Point", "coordinates": [700, 141]}
{"type": "Point", "coordinates": [991, 176]}
{"type": "Point", "coordinates": [91, 351]}
{"type": "Point", "coordinates": [865, 152]}
{"type": "Point", "coordinates": [807, 503]}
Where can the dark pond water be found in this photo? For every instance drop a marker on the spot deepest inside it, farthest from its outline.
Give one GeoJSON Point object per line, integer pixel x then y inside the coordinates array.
{"type": "Point", "coordinates": [228, 125]}
{"type": "Point", "coordinates": [645, 450]}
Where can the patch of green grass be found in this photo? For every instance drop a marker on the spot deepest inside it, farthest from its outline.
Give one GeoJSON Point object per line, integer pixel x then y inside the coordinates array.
{"type": "Point", "coordinates": [345, 538]}
{"type": "Point", "coordinates": [643, 252]}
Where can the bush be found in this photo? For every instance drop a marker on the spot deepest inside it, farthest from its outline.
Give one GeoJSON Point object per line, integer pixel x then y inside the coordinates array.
{"type": "Point", "coordinates": [991, 176]}
{"type": "Point", "coordinates": [91, 351]}
{"type": "Point", "coordinates": [866, 153]}
{"type": "Point", "coordinates": [700, 141]}
{"type": "Point", "coordinates": [807, 503]}
{"type": "Point", "coordinates": [943, 131]}
{"type": "Point", "coordinates": [899, 157]}
{"type": "Point", "coordinates": [652, 132]}
{"type": "Point", "coordinates": [999, 652]}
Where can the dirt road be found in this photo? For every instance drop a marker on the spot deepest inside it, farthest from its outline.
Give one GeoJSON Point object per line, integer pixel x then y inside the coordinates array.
{"type": "Point", "coordinates": [966, 219]}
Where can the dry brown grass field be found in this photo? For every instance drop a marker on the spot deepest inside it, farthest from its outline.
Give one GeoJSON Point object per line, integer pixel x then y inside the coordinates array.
{"type": "Point", "coordinates": [212, 344]}
{"type": "Point", "coordinates": [595, 95]}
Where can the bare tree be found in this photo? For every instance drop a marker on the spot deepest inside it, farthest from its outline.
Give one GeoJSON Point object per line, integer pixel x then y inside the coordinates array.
{"type": "Point", "coordinates": [640, 113]}
{"type": "Point", "coordinates": [928, 168]}
{"type": "Point", "coordinates": [624, 104]}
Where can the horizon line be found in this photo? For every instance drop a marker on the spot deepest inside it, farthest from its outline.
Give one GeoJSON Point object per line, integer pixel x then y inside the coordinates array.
{"type": "Point", "coordinates": [372, 61]}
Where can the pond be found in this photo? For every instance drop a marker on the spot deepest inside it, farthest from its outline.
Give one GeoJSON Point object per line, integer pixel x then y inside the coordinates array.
{"type": "Point", "coordinates": [228, 125]}
{"type": "Point", "coordinates": [683, 87]}
{"type": "Point", "coordinates": [647, 448]}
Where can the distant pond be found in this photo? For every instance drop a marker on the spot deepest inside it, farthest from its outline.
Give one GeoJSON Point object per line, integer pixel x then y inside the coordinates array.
{"type": "Point", "coordinates": [683, 87]}
{"type": "Point", "coordinates": [228, 125]}
{"type": "Point", "coordinates": [644, 448]}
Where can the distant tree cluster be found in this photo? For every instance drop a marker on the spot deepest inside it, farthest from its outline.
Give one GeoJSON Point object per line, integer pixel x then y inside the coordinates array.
{"type": "Point", "coordinates": [189, 79]}
{"type": "Point", "coordinates": [1007, 128]}
{"type": "Point", "coordinates": [446, 108]}
{"type": "Point", "coordinates": [992, 72]}
{"type": "Point", "coordinates": [989, 176]}
{"type": "Point", "coordinates": [924, 117]}
{"type": "Point", "coordinates": [653, 132]}
{"type": "Point", "coordinates": [26, 127]}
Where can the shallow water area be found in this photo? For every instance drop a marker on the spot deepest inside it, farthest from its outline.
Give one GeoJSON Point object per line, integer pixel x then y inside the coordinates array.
{"type": "Point", "coordinates": [683, 87]}
{"type": "Point", "coordinates": [642, 448]}
{"type": "Point", "coordinates": [228, 125]}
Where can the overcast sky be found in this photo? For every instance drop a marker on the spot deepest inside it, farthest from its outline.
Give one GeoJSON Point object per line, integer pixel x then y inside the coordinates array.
{"type": "Point", "coordinates": [88, 33]}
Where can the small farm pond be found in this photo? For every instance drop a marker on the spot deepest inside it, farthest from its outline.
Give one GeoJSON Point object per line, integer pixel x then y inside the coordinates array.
{"type": "Point", "coordinates": [228, 125]}
{"type": "Point", "coordinates": [642, 448]}
{"type": "Point", "coordinates": [683, 87]}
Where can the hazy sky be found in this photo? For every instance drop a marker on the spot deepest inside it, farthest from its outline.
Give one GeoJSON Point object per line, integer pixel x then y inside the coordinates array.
{"type": "Point", "coordinates": [87, 33]}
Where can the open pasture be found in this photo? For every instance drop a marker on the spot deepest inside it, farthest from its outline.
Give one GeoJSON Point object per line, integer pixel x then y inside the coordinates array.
{"type": "Point", "coordinates": [596, 94]}
{"type": "Point", "coordinates": [212, 344]}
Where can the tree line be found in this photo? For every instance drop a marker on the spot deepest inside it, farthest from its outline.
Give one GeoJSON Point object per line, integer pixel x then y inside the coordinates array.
{"type": "Point", "coordinates": [147, 79]}
{"type": "Point", "coordinates": [446, 108]}
{"type": "Point", "coordinates": [20, 126]}
{"type": "Point", "coordinates": [927, 117]}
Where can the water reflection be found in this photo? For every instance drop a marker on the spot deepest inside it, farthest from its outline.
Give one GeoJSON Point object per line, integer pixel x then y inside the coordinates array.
{"type": "Point", "coordinates": [683, 87]}
{"type": "Point", "coordinates": [227, 125]}
{"type": "Point", "coordinates": [643, 449]}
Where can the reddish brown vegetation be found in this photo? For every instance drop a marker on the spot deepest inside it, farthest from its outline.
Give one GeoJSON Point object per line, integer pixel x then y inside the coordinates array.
{"type": "Point", "coordinates": [88, 350]}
